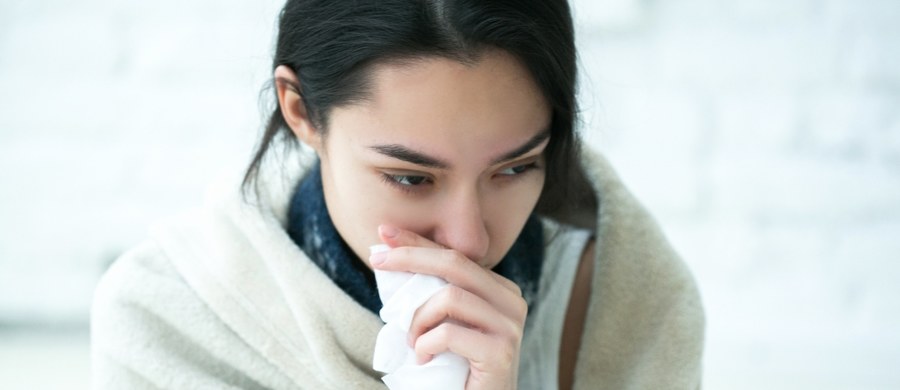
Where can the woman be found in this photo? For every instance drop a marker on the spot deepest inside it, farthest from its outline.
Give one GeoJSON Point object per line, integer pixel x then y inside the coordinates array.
{"type": "Point", "coordinates": [444, 129]}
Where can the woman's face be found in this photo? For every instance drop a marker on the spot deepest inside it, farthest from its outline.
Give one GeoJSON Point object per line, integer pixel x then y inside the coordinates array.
{"type": "Point", "coordinates": [450, 151]}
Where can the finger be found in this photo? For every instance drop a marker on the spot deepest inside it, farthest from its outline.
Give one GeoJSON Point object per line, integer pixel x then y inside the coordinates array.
{"type": "Point", "coordinates": [395, 237]}
{"type": "Point", "coordinates": [508, 284]}
{"type": "Point", "coordinates": [484, 351]}
{"type": "Point", "coordinates": [447, 264]}
{"type": "Point", "coordinates": [459, 306]}
{"type": "Point", "coordinates": [457, 270]}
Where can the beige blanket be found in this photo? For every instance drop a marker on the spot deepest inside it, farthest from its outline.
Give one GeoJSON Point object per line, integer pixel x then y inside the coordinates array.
{"type": "Point", "coordinates": [222, 298]}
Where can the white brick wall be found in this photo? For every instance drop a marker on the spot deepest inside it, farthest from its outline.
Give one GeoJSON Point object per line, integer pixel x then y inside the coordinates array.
{"type": "Point", "coordinates": [763, 134]}
{"type": "Point", "coordinates": [111, 115]}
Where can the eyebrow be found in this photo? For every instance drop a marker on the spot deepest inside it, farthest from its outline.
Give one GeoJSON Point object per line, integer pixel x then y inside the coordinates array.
{"type": "Point", "coordinates": [525, 148]}
{"type": "Point", "coordinates": [403, 153]}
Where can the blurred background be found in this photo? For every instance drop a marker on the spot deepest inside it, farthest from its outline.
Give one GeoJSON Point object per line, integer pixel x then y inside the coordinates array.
{"type": "Point", "coordinates": [763, 134]}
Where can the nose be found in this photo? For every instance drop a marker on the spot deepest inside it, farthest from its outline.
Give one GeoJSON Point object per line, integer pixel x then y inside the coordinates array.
{"type": "Point", "coordinates": [462, 226]}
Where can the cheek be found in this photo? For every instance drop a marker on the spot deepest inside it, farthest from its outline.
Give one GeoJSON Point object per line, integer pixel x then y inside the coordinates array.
{"type": "Point", "coordinates": [507, 211]}
{"type": "Point", "coordinates": [395, 208]}
{"type": "Point", "coordinates": [351, 204]}
{"type": "Point", "coordinates": [358, 201]}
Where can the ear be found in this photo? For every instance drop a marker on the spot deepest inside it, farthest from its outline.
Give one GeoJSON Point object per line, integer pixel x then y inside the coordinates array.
{"type": "Point", "coordinates": [292, 108]}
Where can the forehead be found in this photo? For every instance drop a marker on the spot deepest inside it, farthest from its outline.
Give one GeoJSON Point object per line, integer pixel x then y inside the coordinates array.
{"type": "Point", "coordinates": [445, 106]}
{"type": "Point", "coordinates": [496, 81]}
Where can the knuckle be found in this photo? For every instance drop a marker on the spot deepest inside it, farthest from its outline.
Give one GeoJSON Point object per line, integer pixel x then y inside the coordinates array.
{"type": "Point", "coordinates": [513, 332]}
{"type": "Point", "coordinates": [416, 327]}
{"type": "Point", "coordinates": [509, 353]}
{"type": "Point", "coordinates": [517, 333]}
{"type": "Point", "coordinates": [453, 294]}
{"type": "Point", "coordinates": [454, 259]}
{"type": "Point", "coordinates": [515, 288]}
{"type": "Point", "coordinates": [443, 333]}
{"type": "Point", "coordinates": [505, 353]}
{"type": "Point", "coordinates": [521, 310]}
{"type": "Point", "coordinates": [435, 340]}
{"type": "Point", "coordinates": [403, 251]}
{"type": "Point", "coordinates": [508, 284]}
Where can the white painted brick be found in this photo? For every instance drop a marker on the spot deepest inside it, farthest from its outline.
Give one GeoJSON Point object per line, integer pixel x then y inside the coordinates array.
{"type": "Point", "coordinates": [887, 145]}
{"type": "Point", "coordinates": [650, 134]}
{"type": "Point", "coordinates": [59, 47]}
{"type": "Point", "coordinates": [869, 38]}
{"type": "Point", "coordinates": [865, 264]}
{"type": "Point", "coordinates": [92, 202]}
{"type": "Point", "coordinates": [674, 191]}
{"type": "Point", "coordinates": [877, 13]}
{"type": "Point", "coordinates": [73, 108]}
{"type": "Point", "coordinates": [784, 190]}
{"type": "Point", "coordinates": [750, 122]}
{"type": "Point", "coordinates": [657, 120]}
{"type": "Point", "coordinates": [608, 15]}
{"type": "Point", "coordinates": [767, 12]}
{"type": "Point", "coordinates": [718, 58]}
{"type": "Point", "coordinates": [695, 12]}
{"type": "Point", "coordinates": [185, 50]}
{"type": "Point", "coordinates": [847, 124]}
{"type": "Point", "coordinates": [872, 59]}
{"type": "Point", "coordinates": [631, 62]}
{"type": "Point", "coordinates": [28, 358]}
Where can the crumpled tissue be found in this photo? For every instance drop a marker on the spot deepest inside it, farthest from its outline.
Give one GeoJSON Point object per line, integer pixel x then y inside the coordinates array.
{"type": "Point", "coordinates": [402, 293]}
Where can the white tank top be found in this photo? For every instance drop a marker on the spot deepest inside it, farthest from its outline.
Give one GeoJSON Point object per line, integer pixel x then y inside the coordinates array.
{"type": "Point", "coordinates": [539, 356]}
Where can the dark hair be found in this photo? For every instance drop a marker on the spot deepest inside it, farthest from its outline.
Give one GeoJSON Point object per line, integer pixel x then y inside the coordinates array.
{"type": "Point", "coordinates": [332, 46]}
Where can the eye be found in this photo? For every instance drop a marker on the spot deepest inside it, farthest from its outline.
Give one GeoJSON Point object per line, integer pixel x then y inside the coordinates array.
{"type": "Point", "coordinates": [410, 184]}
{"type": "Point", "coordinates": [407, 180]}
{"type": "Point", "coordinates": [517, 170]}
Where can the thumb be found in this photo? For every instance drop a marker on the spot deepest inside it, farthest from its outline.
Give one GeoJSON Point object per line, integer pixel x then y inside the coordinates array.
{"type": "Point", "coordinates": [395, 237]}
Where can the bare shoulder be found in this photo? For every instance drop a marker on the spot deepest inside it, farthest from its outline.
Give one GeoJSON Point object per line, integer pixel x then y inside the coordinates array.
{"type": "Point", "coordinates": [575, 317]}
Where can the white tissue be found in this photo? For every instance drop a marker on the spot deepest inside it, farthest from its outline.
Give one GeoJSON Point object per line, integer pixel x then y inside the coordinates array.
{"type": "Point", "coordinates": [403, 293]}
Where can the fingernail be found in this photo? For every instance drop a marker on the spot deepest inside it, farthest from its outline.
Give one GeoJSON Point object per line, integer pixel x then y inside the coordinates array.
{"type": "Point", "coordinates": [378, 258]}
{"type": "Point", "coordinates": [389, 231]}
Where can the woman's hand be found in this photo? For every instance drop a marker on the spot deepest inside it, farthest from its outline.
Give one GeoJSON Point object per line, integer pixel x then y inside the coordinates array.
{"type": "Point", "coordinates": [479, 316]}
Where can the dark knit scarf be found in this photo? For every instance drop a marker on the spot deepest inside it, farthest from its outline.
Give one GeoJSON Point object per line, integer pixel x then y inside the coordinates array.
{"type": "Point", "coordinates": [311, 228]}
